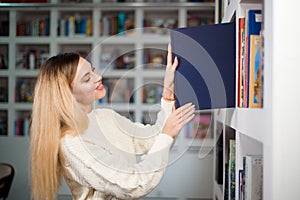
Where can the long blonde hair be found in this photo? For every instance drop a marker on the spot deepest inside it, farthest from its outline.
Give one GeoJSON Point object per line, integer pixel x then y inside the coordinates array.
{"type": "Point", "coordinates": [53, 114]}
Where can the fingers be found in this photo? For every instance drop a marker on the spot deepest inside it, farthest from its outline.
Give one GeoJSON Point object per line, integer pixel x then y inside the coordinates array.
{"type": "Point", "coordinates": [184, 107]}
{"type": "Point", "coordinates": [185, 113]}
{"type": "Point", "coordinates": [187, 119]}
{"type": "Point", "coordinates": [175, 64]}
{"type": "Point", "coordinates": [169, 56]}
{"type": "Point", "coordinates": [178, 119]}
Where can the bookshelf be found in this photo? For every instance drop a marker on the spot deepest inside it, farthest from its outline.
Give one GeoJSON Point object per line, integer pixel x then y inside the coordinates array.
{"type": "Point", "coordinates": [267, 130]}
{"type": "Point", "coordinates": [133, 59]}
{"type": "Point", "coordinates": [113, 53]}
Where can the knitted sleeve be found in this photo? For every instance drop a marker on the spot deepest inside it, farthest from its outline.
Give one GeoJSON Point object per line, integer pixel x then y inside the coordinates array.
{"type": "Point", "coordinates": [143, 136]}
{"type": "Point", "coordinates": [109, 173]}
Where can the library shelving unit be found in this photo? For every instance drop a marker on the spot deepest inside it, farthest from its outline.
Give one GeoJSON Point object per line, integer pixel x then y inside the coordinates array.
{"type": "Point", "coordinates": [131, 62]}
{"type": "Point", "coordinates": [272, 130]}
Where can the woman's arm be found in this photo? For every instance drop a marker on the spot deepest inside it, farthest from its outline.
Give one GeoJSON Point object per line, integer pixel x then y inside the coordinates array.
{"type": "Point", "coordinates": [144, 135]}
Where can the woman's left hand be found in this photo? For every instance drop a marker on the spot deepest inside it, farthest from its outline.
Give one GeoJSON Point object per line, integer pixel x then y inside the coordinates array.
{"type": "Point", "coordinates": [168, 92]}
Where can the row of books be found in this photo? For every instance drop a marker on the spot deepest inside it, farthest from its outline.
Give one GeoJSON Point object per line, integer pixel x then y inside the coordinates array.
{"type": "Point", "coordinates": [3, 92]}
{"type": "Point", "coordinates": [159, 25]}
{"type": "Point", "coordinates": [154, 58]}
{"type": "Point", "coordinates": [122, 91]}
{"type": "Point", "coordinates": [24, 90]}
{"type": "Point", "coordinates": [34, 27]}
{"type": "Point", "coordinates": [112, 24]}
{"type": "Point", "coordinates": [22, 127]}
{"type": "Point", "coordinates": [3, 122]}
{"type": "Point", "coordinates": [250, 64]}
{"type": "Point", "coordinates": [3, 61]}
{"type": "Point", "coordinates": [152, 93]}
{"type": "Point", "coordinates": [74, 26]}
{"type": "Point", "coordinates": [31, 59]}
{"type": "Point", "coordinates": [114, 59]}
{"type": "Point", "coordinates": [194, 20]}
{"type": "Point", "coordinates": [249, 178]}
{"type": "Point", "coordinates": [116, 23]}
{"type": "Point", "coordinates": [200, 127]}
{"type": "Point", "coordinates": [118, 90]}
{"type": "Point", "coordinates": [4, 28]}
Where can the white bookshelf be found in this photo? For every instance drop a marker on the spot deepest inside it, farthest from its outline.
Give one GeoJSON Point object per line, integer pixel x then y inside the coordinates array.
{"type": "Point", "coordinates": [272, 130]}
{"type": "Point", "coordinates": [12, 45]}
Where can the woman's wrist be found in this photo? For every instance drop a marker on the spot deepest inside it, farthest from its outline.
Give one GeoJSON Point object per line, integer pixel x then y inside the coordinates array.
{"type": "Point", "coordinates": [169, 97]}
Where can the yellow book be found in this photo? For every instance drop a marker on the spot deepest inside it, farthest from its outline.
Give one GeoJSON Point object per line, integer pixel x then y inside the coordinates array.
{"type": "Point", "coordinates": [255, 72]}
{"type": "Point", "coordinates": [89, 27]}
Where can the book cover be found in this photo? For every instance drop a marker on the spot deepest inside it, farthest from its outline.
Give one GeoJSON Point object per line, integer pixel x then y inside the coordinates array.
{"type": "Point", "coordinates": [207, 65]}
{"type": "Point", "coordinates": [241, 183]}
{"type": "Point", "coordinates": [254, 19]}
{"type": "Point", "coordinates": [254, 22]}
{"type": "Point", "coordinates": [253, 167]}
{"type": "Point", "coordinates": [231, 170]}
{"type": "Point", "coordinates": [255, 72]}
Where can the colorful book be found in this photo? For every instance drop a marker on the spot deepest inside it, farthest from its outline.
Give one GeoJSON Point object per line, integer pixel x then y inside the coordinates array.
{"type": "Point", "coordinates": [255, 72]}
{"type": "Point", "coordinates": [254, 19]}
{"type": "Point", "coordinates": [231, 170]}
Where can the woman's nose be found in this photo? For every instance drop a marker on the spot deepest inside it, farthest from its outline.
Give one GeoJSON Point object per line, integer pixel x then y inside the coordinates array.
{"type": "Point", "coordinates": [97, 77]}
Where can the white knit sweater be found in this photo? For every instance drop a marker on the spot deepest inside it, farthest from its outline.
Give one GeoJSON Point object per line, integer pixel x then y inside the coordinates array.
{"type": "Point", "coordinates": [101, 163]}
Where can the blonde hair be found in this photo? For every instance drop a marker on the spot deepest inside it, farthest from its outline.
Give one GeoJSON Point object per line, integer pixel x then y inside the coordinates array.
{"type": "Point", "coordinates": [54, 113]}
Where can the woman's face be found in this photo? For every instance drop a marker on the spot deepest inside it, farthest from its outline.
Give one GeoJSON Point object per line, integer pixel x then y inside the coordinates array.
{"type": "Point", "coordinates": [87, 85]}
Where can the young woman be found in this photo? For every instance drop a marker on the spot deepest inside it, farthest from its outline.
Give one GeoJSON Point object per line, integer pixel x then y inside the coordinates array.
{"type": "Point", "coordinates": [95, 149]}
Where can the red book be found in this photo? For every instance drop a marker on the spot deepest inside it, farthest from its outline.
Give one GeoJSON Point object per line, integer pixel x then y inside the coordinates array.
{"type": "Point", "coordinates": [241, 46]}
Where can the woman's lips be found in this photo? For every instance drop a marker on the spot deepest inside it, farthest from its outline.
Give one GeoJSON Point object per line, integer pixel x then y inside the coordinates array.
{"type": "Point", "coordinates": [100, 86]}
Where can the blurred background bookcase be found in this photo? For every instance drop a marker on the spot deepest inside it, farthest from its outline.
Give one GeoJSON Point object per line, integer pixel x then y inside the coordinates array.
{"type": "Point", "coordinates": [122, 40]}
{"type": "Point", "coordinates": [127, 43]}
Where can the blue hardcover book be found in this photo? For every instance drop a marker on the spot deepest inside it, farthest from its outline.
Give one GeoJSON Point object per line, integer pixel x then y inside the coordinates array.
{"type": "Point", "coordinates": [254, 22]}
{"type": "Point", "coordinates": [207, 70]}
{"type": "Point", "coordinates": [121, 23]}
{"type": "Point", "coordinates": [83, 26]}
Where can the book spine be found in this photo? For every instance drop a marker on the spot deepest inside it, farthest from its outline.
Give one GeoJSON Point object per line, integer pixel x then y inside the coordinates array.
{"type": "Point", "coordinates": [231, 170]}
{"type": "Point", "coordinates": [121, 23]}
{"type": "Point", "coordinates": [241, 50]}
{"type": "Point", "coordinates": [255, 72]}
{"type": "Point", "coordinates": [253, 177]}
{"type": "Point", "coordinates": [254, 27]}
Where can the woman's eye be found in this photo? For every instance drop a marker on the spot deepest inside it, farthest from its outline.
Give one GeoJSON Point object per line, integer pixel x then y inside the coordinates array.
{"type": "Point", "coordinates": [87, 80]}
{"type": "Point", "coordinates": [93, 69]}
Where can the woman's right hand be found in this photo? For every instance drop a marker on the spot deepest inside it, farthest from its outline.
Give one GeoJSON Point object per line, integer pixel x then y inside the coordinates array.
{"type": "Point", "coordinates": [178, 119]}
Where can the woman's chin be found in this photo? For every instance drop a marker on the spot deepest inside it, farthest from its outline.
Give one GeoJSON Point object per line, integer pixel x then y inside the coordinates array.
{"type": "Point", "coordinates": [100, 95]}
